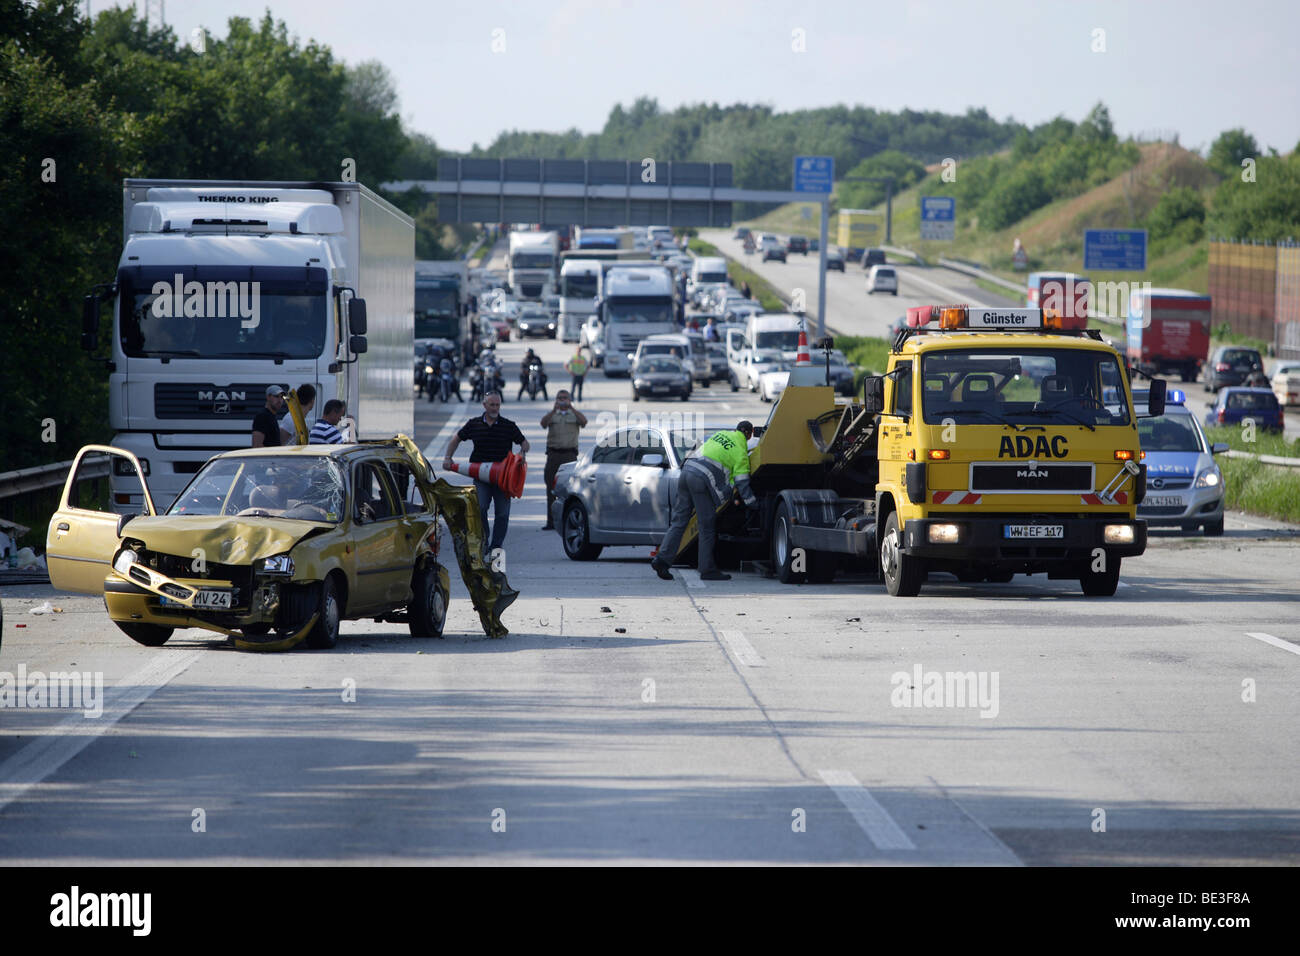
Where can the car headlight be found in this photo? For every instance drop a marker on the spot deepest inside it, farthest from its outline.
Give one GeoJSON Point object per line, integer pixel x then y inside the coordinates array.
{"type": "Point", "coordinates": [279, 564]}
{"type": "Point", "coordinates": [1210, 478]}
{"type": "Point", "coordinates": [639, 382]}
{"type": "Point", "coordinates": [125, 558]}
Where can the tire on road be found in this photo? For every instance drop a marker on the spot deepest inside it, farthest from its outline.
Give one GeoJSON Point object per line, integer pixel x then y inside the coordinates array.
{"type": "Point", "coordinates": [1100, 583]}
{"type": "Point", "coordinates": [904, 575]}
{"type": "Point", "coordinates": [427, 612]}
{"type": "Point", "coordinates": [782, 552]}
{"type": "Point", "coordinates": [576, 534]}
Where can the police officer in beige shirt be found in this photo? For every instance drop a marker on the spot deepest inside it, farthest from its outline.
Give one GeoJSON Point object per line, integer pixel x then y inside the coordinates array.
{"type": "Point", "coordinates": [562, 423]}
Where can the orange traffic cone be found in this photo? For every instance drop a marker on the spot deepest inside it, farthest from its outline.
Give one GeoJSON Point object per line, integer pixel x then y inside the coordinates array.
{"type": "Point", "coordinates": [508, 474]}
{"type": "Point", "coordinates": [802, 357]}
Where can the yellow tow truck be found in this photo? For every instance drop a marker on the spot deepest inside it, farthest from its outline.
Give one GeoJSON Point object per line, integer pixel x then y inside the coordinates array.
{"type": "Point", "coordinates": [997, 442]}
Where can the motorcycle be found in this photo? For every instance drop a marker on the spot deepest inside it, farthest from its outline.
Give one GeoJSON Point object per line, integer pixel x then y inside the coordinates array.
{"type": "Point", "coordinates": [476, 390]}
{"type": "Point", "coordinates": [1256, 377]}
{"type": "Point", "coordinates": [448, 382]}
{"type": "Point", "coordinates": [536, 380]}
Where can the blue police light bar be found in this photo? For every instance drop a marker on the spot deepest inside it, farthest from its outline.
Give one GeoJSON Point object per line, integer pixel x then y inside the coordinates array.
{"type": "Point", "coordinates": [1175, 396]}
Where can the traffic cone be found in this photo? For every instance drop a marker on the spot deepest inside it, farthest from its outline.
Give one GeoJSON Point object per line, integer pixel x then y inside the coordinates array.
{"type": "Point", "coordinates": [802, 357]}
{"type": "Point", "coordinates": [508, 474]}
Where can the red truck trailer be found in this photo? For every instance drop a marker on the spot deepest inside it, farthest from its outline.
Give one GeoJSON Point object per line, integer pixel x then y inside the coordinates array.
{"type": "Point", "coordinates": [1169, 331]}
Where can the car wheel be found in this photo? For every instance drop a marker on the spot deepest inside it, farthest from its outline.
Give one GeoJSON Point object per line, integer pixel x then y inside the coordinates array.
{"type": "Point", "coordinates": [150, 635]}
{"type": "Point", "coordinates": [427, 612]}
{"type": "Point", "coordinates": [735, 386]}
{"type": "Point", "coordinates": [782, 553]}
{"type": "Point", "coordinates": [576, 534]}
{"type": "Point", "coordinates": [325, 632]}
{"type": "Point", "coordinates": [1101, 583]}
{"type": "Point", "coordinates": [904, 574]}
{"type": "Point", "coordinates": [686, 396]}
{"type": "Point", "coordinates": [636, 396]}
{"type": "Point", "coordinates": [1214, 529]}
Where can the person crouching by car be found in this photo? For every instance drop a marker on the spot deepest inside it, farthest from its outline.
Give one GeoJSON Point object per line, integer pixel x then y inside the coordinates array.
{"type": "Point", "coordinates": [704, 484]}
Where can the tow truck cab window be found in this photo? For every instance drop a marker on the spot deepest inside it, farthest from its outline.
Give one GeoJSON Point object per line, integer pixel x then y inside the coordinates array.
{"type": "Point", "coordinates": [901, 403]}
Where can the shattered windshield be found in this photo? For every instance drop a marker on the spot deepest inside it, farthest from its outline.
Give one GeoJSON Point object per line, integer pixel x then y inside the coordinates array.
{"type": "Point", "coordinates": [307, 488]}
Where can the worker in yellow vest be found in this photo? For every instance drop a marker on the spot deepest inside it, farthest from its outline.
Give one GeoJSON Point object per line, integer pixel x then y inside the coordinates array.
{"type": "Point", "coordinates": [577, 367]}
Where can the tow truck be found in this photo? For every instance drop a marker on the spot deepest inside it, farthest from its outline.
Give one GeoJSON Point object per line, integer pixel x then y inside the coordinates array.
{"type": "Point", "coordinates": [956, 459]}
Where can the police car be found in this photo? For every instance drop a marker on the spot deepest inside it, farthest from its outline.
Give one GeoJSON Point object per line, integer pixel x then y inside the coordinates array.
{"type": "Point", "coordinates": [1184, 485]}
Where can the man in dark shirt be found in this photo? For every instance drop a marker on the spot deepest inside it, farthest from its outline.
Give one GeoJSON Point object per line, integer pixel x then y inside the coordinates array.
{"type": "Point", "coordinates": [493, 437]}
{"type": "Point", "coordinates": [266, 423]}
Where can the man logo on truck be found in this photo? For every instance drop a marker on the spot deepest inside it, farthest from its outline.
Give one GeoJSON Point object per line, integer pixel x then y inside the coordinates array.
{"type": "Point", "coordinates": [1024, 446]}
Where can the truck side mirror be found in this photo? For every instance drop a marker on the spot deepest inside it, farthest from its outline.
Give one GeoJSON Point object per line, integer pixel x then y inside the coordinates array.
{"type": "Point", "coordinates": [357, 317]}
{"type": "Point", "coordinates": [357, 344]}
{"type": "Point", "coordinates": [873, 394]}
{"type": "Point", "coordinates": [1156, 397]}
{"type": "Point", "coordinates": [90, 323]}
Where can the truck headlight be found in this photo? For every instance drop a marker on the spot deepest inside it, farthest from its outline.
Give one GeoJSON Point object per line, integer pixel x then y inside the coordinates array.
{"type": "Point", "coordinates": [1209, 478]}
{"type": "Point", "coordinates": [125, 558]}
{"type": "Point", "coordinates": [1118, 534]}
{"type": "Point", "coordinates": [279, 564]}
{"type": "Point", "coordinates": [945, 533]}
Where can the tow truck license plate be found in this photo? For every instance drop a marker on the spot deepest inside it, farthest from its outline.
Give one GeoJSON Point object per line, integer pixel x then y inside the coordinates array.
{"type": "Point", "coordinates": [1033, 531]}
{"type": "Point", "coordinates": [205, 599]}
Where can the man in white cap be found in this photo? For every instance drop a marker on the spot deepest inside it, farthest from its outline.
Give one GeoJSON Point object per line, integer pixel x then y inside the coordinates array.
{"type": "Point", "coordinates": [266, 424]}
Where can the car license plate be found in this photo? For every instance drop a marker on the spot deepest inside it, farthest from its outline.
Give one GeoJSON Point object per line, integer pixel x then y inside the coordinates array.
{"type": "Point", "coordinates": [659, 388]}
{"type": "Point", "coordinates": [1162, 501]}
{"type": "Point", "coordinates": [1033, 531]}
{"type": "Point", "coordinates": [219, 600]}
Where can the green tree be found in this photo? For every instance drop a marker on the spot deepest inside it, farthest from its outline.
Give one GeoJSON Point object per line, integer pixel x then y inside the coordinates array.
{"type": "Point", "coordinates": [1229, 149]}
{"type": "Point", "coordinates": [1179, 214]}
{"type": "Point", "coordinates": [1266, 209]}
{"type": "Point", "coordinates": [905, 170]}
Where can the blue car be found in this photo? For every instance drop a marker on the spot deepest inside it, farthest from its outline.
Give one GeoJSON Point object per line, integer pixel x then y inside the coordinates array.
{"type": "Point", "coordinates": [1184, 486]}
{"type": "Point", "coordinates": [1234, 405]}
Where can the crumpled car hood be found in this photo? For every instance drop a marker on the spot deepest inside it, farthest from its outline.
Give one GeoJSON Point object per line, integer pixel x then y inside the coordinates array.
{"type": "Point", "coordinates": [225, 540]}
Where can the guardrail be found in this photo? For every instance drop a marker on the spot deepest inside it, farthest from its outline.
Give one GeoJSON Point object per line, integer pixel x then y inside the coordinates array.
{"type": "Point", "coordinates": [25, 480]}
{"type": "Point", "coordinates": [1265, 459]}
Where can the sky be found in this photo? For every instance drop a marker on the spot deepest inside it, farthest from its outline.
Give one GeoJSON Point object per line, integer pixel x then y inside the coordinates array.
{"type": "Point", "coordinates": [467, 71]}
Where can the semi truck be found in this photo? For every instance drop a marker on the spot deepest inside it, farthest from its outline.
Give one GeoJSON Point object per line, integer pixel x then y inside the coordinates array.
{"type": "Point", "coordinates": [534, 264]}
{"type": "Point", "coordinates": [1169, 331]}
{"type": "Point", "coordinates": [857, 229]}
{"type": "Point", "coordinates": [579, 286]}
{"type": "Point", "coordinates": [225, 288]}
{"type": "Point", "coordinates": [635, 302]}
{"type": "Point", "coordinates": [441, 306]}
{"type": "Point", "coordinates": [953, 461]}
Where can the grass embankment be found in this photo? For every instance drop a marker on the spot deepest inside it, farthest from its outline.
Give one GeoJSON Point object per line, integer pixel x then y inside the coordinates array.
{"type": "Point", "coordinates": [871, 355]}
{"type": "Point", "coordinates": [1253, 486]}
{"type": "Point", "coordinates": [763, 291]}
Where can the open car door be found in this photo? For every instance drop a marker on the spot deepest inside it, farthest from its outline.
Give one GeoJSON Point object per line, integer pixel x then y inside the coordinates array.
{"type": "Point", "coordinates": [83, 536]}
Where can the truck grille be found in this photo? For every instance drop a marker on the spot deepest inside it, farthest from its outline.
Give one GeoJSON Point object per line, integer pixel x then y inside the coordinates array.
{"type": "Point", "coordinates": [1045, 477]}
{"type": "Point", "coordinates": [211, 402]}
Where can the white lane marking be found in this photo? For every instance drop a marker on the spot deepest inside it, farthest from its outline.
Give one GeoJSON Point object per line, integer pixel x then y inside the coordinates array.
{"type": "Point", "coordinates": [726, 405]}
{"type": "Point", "coordinates": [433, 450]}
{"type": "Point", "coordinates": [1275, 641]}
{"type": "Point", "coordinates": [875, 821]}
{"type": "Point", "coordinates": [1125, 584]}
{"type": "Point", "coordinates": [742, 650]}
{"type": "Point", "coordinates": [43, 756]}
{"type": "Point", "coordinates": [692, 581]}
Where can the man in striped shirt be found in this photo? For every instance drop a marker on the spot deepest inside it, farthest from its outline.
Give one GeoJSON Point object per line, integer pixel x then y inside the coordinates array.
{"type": "Point", "coordinates": [326, 431]}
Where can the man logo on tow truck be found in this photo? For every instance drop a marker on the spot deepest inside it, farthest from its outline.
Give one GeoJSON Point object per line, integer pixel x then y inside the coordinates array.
{"type": "Point", "coordinates": [1024, 447]}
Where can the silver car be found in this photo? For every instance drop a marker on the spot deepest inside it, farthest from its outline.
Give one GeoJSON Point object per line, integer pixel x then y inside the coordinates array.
{"type": "Point", "coordinates": [1184, 485]}
{"type": "Point", "coordinates": [620, 492]}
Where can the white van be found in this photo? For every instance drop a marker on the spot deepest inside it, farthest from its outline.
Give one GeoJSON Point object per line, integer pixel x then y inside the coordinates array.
{"type": "Point", "coordinates": [689, 348]}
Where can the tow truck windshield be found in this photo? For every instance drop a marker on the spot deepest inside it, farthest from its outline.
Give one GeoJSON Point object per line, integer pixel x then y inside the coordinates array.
{"type": "Point", "coordinates": [1040, 386]}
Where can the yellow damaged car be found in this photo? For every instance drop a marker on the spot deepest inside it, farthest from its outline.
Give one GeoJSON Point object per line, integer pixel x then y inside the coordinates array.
{"type": "Point", "coordinates": [275, 546]}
